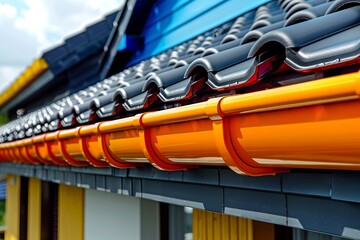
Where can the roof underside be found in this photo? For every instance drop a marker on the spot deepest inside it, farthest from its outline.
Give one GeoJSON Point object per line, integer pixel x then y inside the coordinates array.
{"type": "Point", "coordinates": [271, 92]}
{"type": "Point", "coordinates": [318, 201]}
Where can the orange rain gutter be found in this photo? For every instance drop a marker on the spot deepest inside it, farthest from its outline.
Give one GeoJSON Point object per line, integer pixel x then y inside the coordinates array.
{"type": "Point", "coordinates": [28, 76]}
{"type": "Point", "coordinates": [307, 125]}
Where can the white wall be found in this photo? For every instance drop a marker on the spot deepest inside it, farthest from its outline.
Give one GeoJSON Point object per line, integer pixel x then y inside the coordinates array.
{"type": "Point", "coordinates": [113, 216]}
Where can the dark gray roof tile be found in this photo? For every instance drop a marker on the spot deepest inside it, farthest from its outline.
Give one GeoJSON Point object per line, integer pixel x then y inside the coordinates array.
{"type": "Point", "coordinates": [326, 52]}
{"type": "Point", "coordinates": [236, 75]}
{"type": "Point", "coordinates": [84, 117]}
{"type": "Point", "coordinates": [165, 79]}
{"type": "Point", "coordinates": [254, 35]}
{"type": "Point", "coordinates": [307, 14]}
{"type": "Point", "coordinates": [321, 28]}
{"type": "Point", "coordinates": [221, 60]}
{"type": "Point", "coordinates": [137, 102]}
{"type": "Point", "coordinates": [300, 35]}
{"type": "Point", "coordinates": [176, 91]}
{"type": "Point", "coordinates": [311, 31]}
{"type": "Point", "coordinates": [342, 4]}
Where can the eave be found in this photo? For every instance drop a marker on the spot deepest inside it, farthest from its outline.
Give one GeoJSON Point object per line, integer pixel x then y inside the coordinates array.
{"type": "Point", "coordinates": [306, 125]}
{"type": "Point", "coordinates": [32, 72]}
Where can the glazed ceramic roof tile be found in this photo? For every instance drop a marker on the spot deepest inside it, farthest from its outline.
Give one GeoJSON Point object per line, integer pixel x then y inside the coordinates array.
{"type": "Point", "coordinates": [281, 39]}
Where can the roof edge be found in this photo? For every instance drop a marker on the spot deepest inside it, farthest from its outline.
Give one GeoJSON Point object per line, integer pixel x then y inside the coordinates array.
{"type": "Point", "coordinates": [31, 73]}
{"type": "Point", "coordinates": [260, 133]}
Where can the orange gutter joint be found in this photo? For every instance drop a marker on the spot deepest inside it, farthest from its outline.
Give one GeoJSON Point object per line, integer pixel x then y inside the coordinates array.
{"type": "Point", "coordinates": [95, 148]}
{"type": "Point", "coordinates": [212, 109]}
{"type": "Point", "coordinates": [155, 157]}
{"type": "Point", "coordinates": [30, 151]}
{"type": "Point", "coordinates": [17, 152]}
{"type": "Point", "coordinates": [234, 155]}
{"type": "Point", "coordinates": [85, 145]}
{"type": "Point", "coordinates": [53, 149]}
{"type": "Point", "coordinates": [68, 143]}
{"type": "Point", "coordinates": [12, 152]}
{"type": "Point", "coordinates": [23, 152]}
{"type": "Point", "coordinates": [119, 143]}
{"type": "Point", "coordinates": [113, 160]}
{"type": "Point", "coordinates": [88, 139]}
{"type": "Point", "coordinates": [41, 149]}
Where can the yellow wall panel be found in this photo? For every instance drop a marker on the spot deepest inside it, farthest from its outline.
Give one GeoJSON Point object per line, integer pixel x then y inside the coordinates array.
{"type": "Point", "coordinates": [12, 208]}
{"type": "Point", "coordinates": [71, 213]}
{"type": "Point", "coordinates": [217, 226]}
{"type": "Point", "coordinates": [34, 209]}
{"type": "Point", "coordinates": [225, 227]}
{"type": "Point", "coordinates": [233, 228]}
{"type": "Point", "coordinates": [195, 224]}
{"type": "Point", "coordinates": [250, 229]}
{"type": "Point", "coordinates": [202, 223]}
{"type": "Point", "coordinates": [210, 225]}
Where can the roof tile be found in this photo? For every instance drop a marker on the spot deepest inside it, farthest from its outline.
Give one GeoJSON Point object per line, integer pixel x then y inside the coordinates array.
{"type": "Point", "coordinates": [284, 37]}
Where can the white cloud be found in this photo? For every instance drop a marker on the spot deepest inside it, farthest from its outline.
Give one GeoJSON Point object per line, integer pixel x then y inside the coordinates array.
{"type": "Point", "coordinates": [7, 10]}
{"type": "Point", "coordinates": [26, 32]}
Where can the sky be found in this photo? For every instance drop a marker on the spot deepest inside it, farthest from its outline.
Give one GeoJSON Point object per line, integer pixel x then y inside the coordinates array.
{"type": "Point", "coordinates": [28, 27]}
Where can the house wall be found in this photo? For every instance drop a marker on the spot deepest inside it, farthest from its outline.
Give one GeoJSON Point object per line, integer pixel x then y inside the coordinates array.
{"type": "Point", "coordinates": [216, 226]}
{"type": "Point", "coordinates": [34, 209]}
{"type": "Point", "coordinates": [112, 216]}
{"type": "Point", "coordinates": [173, 22]}
{"type": "Point", "coordinates": [70, 213]}
{"type": "Point", "coordinates": [12, 208]}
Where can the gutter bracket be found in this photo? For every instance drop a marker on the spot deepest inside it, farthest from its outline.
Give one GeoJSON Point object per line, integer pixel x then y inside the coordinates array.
{"type": "Point", "coordinates": [36, 146]}
{"type": "Point", "coordinates": [112, 161]}
{"type": "Point", "coordinates": [235, 160]}
{"type": "Point", "coordinates": [67, 156]}
{"type": "Point", "coordinates": [55, 159]}
{"type": "Point", "coordinates": [27, 145]}
{"type": "Point", "coordinates": [156, 158]}
{"type": "Point", "coordinates": [85, 151]}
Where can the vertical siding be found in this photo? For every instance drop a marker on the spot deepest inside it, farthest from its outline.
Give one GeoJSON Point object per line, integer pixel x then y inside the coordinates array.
{"type": "Point", "coordinates": [196, 224]}
{"type": "Point", "coordinates": [34, 209]}
{"type": "Point", "coordinates": [12, 208]}
{"type": "Point", "coordinates": [225, 227]}
{"type": "Point", "coordinates": [216, 226]}
{"type": "Point", "coordinates": [173, 22]}
{"type": "Point", "coordinates": [210, 225]}
{"type": "Point", "coordinates": [71, 213]}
